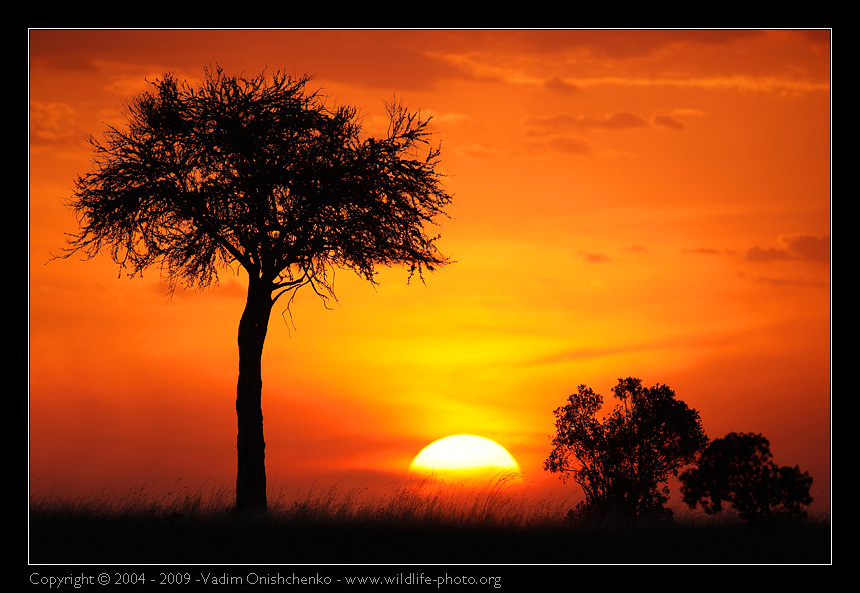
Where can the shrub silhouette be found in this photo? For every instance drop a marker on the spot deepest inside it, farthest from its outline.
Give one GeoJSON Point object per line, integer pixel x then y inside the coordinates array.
{"type": "Point", "coordinates": [623, 463]}
{"type": "Point", "coordinates": [738, 469]}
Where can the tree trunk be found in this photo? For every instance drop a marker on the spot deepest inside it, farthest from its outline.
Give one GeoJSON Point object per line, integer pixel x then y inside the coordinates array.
{"type": "Point", "coordinates": [250, 445]}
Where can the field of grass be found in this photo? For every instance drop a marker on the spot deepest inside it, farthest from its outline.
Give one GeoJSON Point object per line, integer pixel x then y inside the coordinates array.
{"type": "Point", "coordinates": [411, 524]}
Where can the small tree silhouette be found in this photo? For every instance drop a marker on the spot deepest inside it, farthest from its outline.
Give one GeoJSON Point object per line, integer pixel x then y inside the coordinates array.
{"type": "Point", "coordinates": [738, 469]}
{"type": "Point", "coordinates": [623, 462]}
{"type": "Point", "coordinates": [258, 173]}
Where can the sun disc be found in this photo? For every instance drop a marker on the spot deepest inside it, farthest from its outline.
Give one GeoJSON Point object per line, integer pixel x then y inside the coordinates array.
{"type": "Point", "coordinates": [464, 456]}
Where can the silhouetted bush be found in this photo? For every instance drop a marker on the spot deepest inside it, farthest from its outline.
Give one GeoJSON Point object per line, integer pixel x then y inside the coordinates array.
{"type": "Point", "coordinates": [738, 470]}
{"type": "Point", "coordinates": [623, 463]}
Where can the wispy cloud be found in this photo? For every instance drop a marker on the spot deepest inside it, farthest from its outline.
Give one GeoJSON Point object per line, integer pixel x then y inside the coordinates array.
{"type": "Point", "coordinates": [563, 122]}
{"type": "Point", "coordinates": [596, 258]}
{"type": "Point", "coordinates": [52, 122]}
{"type": "Point", "coordinates": [797, 247]}
{"type": "Point", "coordinates": [583, 60]}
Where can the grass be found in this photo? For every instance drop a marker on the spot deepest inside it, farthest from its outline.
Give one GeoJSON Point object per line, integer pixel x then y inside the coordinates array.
{"type": "Point", "coordinates": [412, 523]}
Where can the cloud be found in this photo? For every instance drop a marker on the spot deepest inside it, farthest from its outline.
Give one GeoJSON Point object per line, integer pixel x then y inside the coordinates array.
{"type": "Point", "coordinates": [558, 132]}
{"type": "Point", "coordinates": [558, 85]}
{"type": "Point", "coordinates": [669, 122]}
{"type": "Point", "coordinates": [596, 258]}
{"type": "Point", "coordinates": [580, 60]}
{"type": "Point", "coordinates": [786, 282]}
{"type": "Point", "coordinates": [680, 342]}
{"type": "Point", "coordinates": [808, 247]}
{"type": "Point", "coordinates": [626, 44]}
{"type": "Point", "coordinates": [560, 123]}
{"type": "Point", "coordinates": [796, 247]}
{"type": "Point", "coordinates": [793, 247]}
{"type": "Point", "coordinates": [761, 254]}
{"type": "Point", "coordinates": [570, 145]}
{"type": "Point", "coordinates": [703, 251]}
{"type": "Point", "coordinates": [52, 122]}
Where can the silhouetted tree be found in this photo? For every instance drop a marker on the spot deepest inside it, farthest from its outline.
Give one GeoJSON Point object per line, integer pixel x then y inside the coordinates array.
{"type": "Point", "coordinates": [260, 173]}
{"type": "Point", "coordinates": [623, 462]}
{"type": "Point", "coordinates": [738, 469]}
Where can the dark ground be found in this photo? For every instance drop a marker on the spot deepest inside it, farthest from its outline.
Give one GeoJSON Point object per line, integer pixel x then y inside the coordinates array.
{"type": "Point", "coordinates": [82, 539]}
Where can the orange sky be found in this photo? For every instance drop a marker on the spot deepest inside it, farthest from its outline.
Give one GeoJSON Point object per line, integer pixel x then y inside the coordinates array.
{"type": "Point", "coordinates": [652, 204]}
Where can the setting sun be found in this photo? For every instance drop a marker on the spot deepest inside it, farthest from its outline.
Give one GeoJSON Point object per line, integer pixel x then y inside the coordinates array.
{"type": "Point", "coordinates": [464, 456]}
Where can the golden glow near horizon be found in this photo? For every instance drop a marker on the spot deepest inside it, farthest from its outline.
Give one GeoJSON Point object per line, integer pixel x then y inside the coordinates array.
{"type": "Point", "coordinates": [464, 457]}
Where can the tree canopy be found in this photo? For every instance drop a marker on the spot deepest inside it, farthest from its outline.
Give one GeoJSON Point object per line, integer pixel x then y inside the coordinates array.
{"type": "Point", "coordinates": [260, 172]}
{"type": "Point", "coordinates": [738, 469]}
{"type": "Point", "coordinates": [622, 461]}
